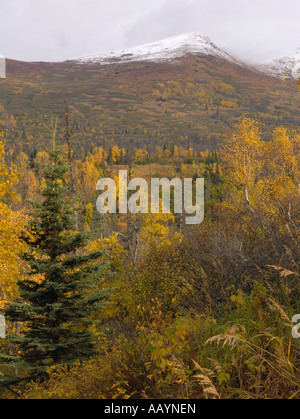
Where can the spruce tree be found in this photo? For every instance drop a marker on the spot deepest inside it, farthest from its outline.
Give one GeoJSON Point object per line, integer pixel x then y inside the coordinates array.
{"type": "Point", "coordinates": [110, 160]}
{"type": "Point", "coordinates": [58, 298]}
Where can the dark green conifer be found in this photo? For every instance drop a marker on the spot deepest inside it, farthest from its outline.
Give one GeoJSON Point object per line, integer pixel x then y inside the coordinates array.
{"type": "Point", "coordinates": [55, 311]}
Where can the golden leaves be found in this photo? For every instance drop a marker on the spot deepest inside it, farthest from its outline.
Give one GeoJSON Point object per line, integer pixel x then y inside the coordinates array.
{"type": "Point", "coordinates": [11, 227]}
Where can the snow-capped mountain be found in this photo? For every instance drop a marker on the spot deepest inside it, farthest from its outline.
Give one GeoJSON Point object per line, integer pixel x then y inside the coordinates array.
{"type": "Point", "coordinates": [192, 43]}
{"type": "Point", "coordinates": [288, 67]}
{"type": "Point", "coordinates": [165, 50]}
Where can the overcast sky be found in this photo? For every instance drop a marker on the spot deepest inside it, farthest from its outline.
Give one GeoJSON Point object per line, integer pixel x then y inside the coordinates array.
{"type": "Point", "coordinates": [55, 30]}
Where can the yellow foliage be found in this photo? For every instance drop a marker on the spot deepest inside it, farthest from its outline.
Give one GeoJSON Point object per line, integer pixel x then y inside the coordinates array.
{"type": "Point", "coordinates": [140, 155]}
{"type": "Point", "coordinates": [242, 152]}
{"type": "Point", "coordinates": [11, 227]}
{"type": "Point", "coordinates": [156, 231]}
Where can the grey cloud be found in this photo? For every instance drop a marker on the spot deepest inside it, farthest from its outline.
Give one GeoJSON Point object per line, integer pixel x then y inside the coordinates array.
{"type": "Point", "coordinates": [258, 30]}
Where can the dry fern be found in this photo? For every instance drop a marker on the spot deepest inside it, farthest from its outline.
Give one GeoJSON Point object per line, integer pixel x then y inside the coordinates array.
{"type": "Point", "coordinates": [205, 380]}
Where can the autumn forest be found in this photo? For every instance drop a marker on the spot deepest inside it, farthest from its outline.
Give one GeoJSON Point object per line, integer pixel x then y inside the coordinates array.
{"type": "Point", "coordinates": [124, 306]}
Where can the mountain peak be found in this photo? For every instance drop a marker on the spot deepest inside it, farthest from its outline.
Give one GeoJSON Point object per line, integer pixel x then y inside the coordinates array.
{"type": "Point", "coordinates": [164, 50]}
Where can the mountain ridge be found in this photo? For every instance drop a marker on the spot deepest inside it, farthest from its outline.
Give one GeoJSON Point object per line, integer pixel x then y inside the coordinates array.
{"type": "Point", "coordinates": [174, 48]}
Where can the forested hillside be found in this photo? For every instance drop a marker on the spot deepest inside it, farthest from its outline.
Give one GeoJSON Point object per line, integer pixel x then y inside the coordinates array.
{"type": "Point", "coordinates": [190, 100]}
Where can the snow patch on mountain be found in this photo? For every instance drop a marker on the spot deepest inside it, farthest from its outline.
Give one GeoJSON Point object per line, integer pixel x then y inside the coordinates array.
{"type": "Point", "coordinates": [165, 50]}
